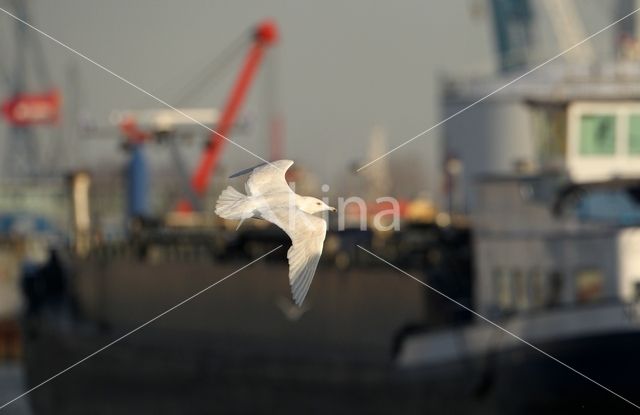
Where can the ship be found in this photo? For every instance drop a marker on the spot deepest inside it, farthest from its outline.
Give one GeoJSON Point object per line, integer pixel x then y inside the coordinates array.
{"type": "Point", "coordinates": [554, 321]}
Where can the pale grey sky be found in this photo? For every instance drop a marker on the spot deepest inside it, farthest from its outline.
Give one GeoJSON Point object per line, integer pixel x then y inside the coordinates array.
{"type": "Point", "coordinates": [344, 66]}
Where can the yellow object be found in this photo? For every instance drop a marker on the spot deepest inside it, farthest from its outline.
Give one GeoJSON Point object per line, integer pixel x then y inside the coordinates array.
{"type": "Point", "coordinates": [421, 210]}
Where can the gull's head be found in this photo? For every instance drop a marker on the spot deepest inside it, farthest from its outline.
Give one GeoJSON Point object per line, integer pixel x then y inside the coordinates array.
{"type": "Point", "coordinates": [313, 205]}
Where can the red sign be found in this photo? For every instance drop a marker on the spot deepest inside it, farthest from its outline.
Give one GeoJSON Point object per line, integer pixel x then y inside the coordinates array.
{"type": "Point", "coordinates": [32, 109]}
{"type": "Point", "coordinates": [130, 130]}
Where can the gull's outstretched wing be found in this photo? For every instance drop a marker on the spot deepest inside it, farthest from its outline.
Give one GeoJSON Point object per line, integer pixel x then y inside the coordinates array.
{"type": "Point", "coordinates": [269, 178]}
{"type": "Point", "coordinates": [307, 233]}
{"type": "Point", "coordinates": [304, 254]}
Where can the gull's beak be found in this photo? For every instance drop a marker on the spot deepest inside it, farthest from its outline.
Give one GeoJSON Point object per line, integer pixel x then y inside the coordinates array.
{"type": "Point", "coordinates": [332, 209]}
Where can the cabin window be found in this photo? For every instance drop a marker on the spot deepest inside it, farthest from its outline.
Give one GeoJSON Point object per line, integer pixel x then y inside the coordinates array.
{"type": "Point", "coordinates": [634, 134]}
{"type": "Point", "coordinates": [550, 128]}
{"type": "Point", "coordinates": [589, 286]}
{"type": "Point", "coordinates": [502, 290]}
{"type": "Point", "coordinates": [597, 135]}
{"type": "Point", "coordinates": [536, 289]}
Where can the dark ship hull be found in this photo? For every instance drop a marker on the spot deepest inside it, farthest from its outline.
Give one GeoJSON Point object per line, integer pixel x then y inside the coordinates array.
{"type": "Point", "coordinates": [241, 348]}
{"type": "Point", "coordinates": [582, 351]}
{"type": "Point", "coordinates": [232, 349]}
{"type": "Point", "coordinates": [523, 381]}
{"type": "Point", "coordinates": [168, 370]}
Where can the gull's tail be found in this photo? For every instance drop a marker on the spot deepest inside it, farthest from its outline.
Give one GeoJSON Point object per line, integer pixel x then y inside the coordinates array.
{"type": "Point", "coordinates": [233, 205]}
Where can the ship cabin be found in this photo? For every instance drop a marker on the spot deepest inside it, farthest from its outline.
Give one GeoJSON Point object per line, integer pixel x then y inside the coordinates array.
{"type": "Point", "coordinates": [590, 140]}
{"type": "Point", "coordinates": [567, 231]}
{"type": "Point", "coordinates": [581, 120]}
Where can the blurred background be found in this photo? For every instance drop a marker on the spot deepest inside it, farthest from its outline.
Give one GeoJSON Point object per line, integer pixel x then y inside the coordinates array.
{"type": "Point", "coordinates": [524, 206]}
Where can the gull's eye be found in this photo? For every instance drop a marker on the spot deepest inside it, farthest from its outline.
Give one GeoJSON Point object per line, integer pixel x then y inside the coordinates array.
{"type": "Point", "coordinates": [318, 203]}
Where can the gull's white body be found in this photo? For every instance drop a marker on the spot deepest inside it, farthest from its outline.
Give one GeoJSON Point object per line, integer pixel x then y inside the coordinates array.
{"type": "Point", "coordinates": [269, 197]}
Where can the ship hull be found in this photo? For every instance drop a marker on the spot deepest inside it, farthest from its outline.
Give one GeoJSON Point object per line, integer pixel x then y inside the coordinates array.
{"type": "Point", "coordinates": [158, 373]}
{"type": "Point", "coordinates": [232, 349]}
{"type": "Point", "coordinates": [482, 370]}
{"type": "Point", "coordinates": [523, 381]}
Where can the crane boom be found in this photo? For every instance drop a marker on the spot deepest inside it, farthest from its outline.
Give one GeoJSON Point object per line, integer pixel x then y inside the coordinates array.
{"type": "Point", "coordinates": [265, 35]}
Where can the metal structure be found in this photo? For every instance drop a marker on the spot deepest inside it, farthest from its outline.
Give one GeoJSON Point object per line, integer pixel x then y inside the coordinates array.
{"type": "Point", "coordinates": [164, 125]}
{"type": "Point", "coordinates": [512, 24]}
{"type": "Point", "coordinates": [568, 29]}
{"type": "Point", "coordinates": [25, 109]}
{"type": "Point", "coordinates": [138, 127]}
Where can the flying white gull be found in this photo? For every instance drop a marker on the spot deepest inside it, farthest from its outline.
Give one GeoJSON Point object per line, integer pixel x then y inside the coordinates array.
{"type": "Point", "coordinates": [269, 197]}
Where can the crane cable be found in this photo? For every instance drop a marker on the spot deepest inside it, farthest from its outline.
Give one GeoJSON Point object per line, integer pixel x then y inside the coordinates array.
{"type": "Point", "coordinates": [212, 70]}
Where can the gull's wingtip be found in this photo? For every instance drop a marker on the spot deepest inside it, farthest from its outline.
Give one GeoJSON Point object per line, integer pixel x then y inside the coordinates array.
{"type": "Point", "coordinates": [281, 164]}
{"type": "Point", "coordinates": [296, 297]}
{"type": "Point", "coordinates": [246, 171]}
